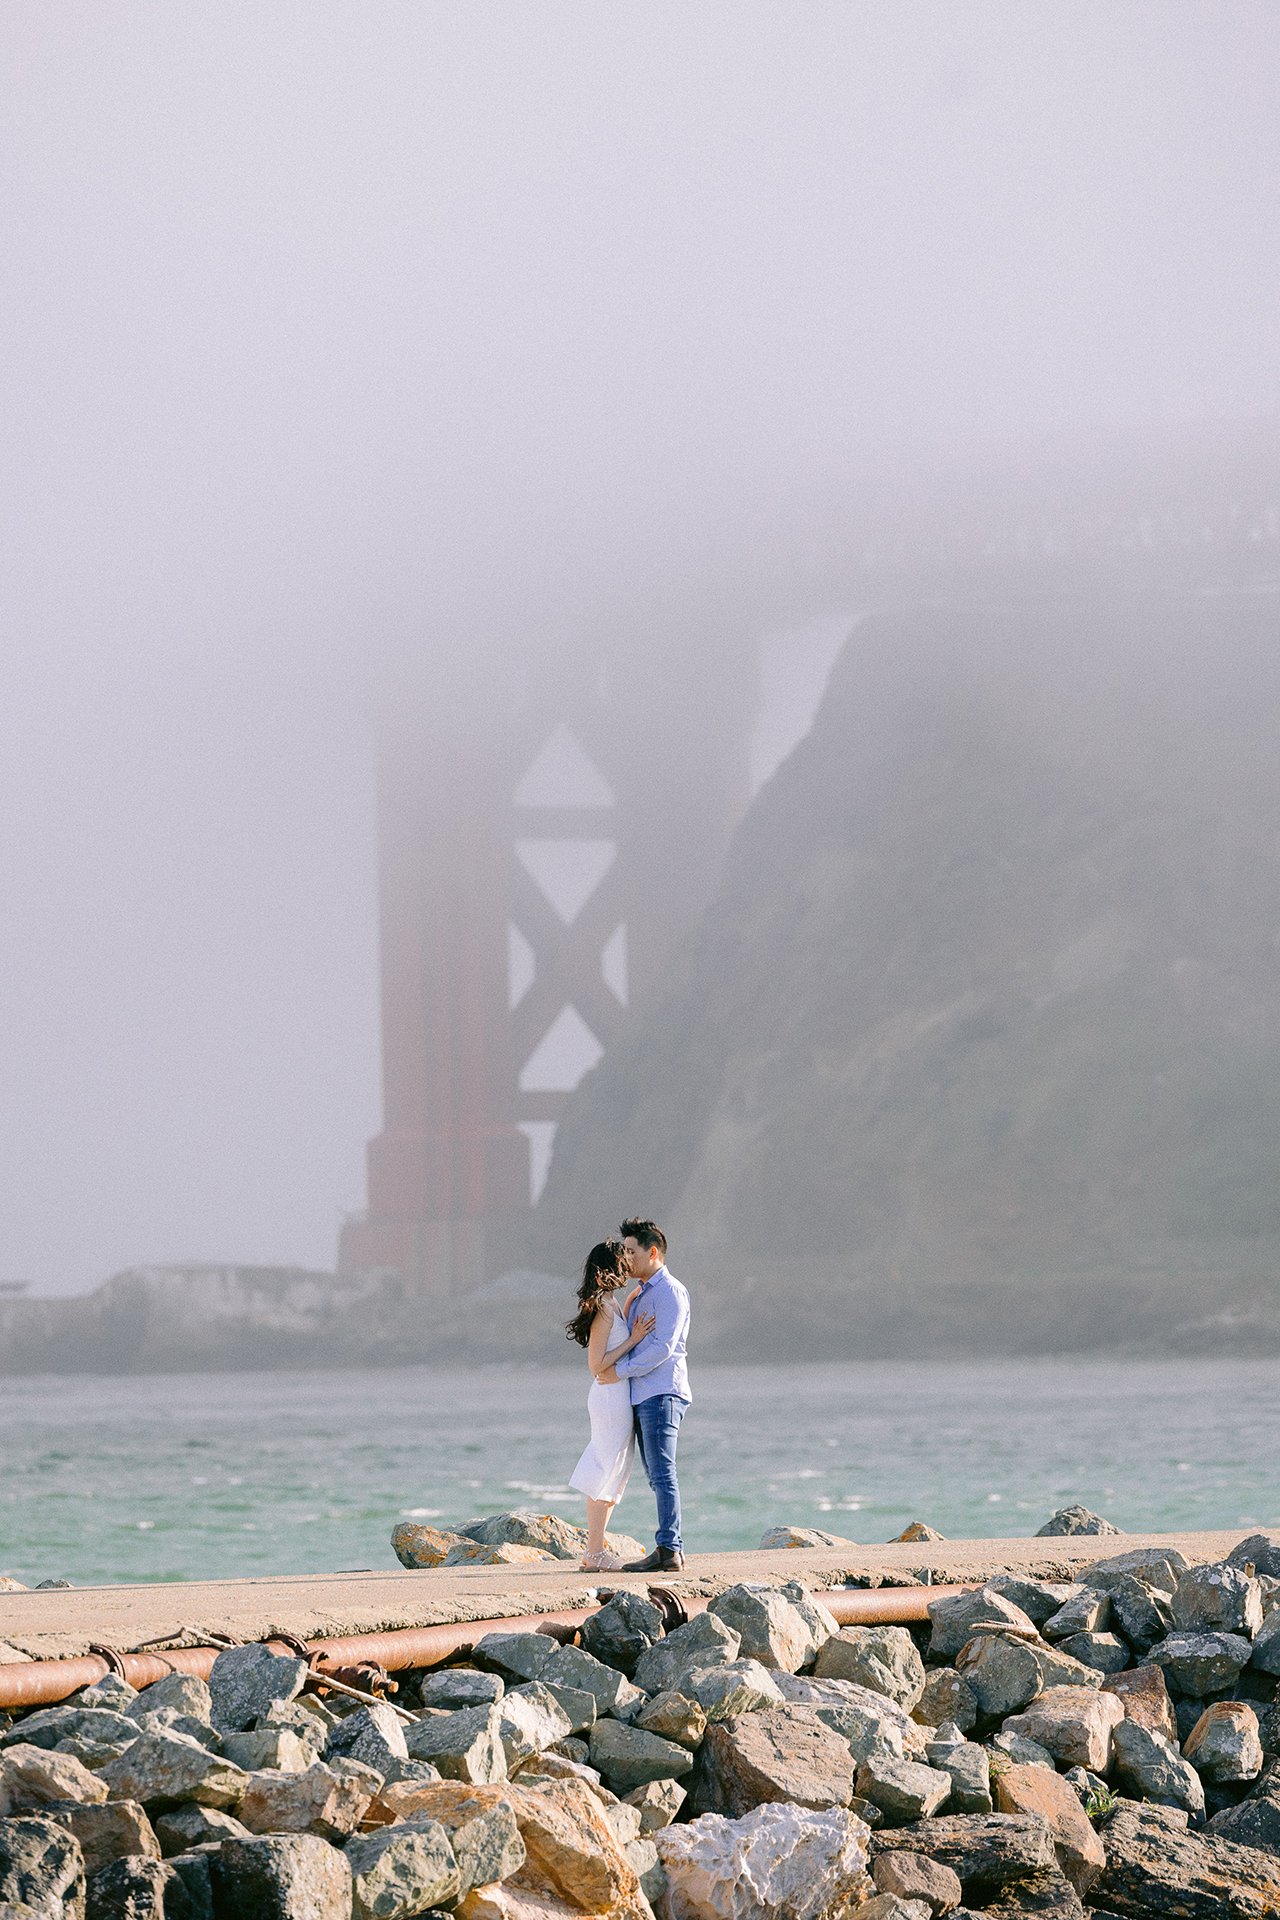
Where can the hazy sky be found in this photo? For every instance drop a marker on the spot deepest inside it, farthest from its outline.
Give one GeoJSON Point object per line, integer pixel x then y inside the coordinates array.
{"type": "Point", "coordinates": [332, 331]}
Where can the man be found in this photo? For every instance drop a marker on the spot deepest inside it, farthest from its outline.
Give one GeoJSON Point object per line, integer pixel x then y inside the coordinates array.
{"type": "Point", "coordinates": [659, 1380]}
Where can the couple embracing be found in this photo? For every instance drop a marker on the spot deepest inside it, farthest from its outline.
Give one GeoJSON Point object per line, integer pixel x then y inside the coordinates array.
{"type": "Point", "coordinates": [633, 1320]}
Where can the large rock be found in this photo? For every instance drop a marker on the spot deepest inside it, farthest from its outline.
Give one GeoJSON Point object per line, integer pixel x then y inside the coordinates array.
{"type": "Point", "coordinates": [1038, 1599]}
{"type": "Point", "coordinates": [1256, 1821]}
{"type": "Point", "coordinates": [1157, 1870]}
{"type": "Point", "coordinates": [1160, 1567]}
{"type": "Point", "coordinates": [51, 1726]}
{"type": "Point", "coordinates": [1220, 1598]}
{"type": "Point", "coordinates": [292, 1876]}
{"type": "Point", "coordinates": [329, 1800]}
{"type": "Point", "coordinates": [1199, 1664]}
{"type": "Point", "coordinates": [903, 1789]}
{"type": "Point", "coordinates": [657, 1802]}
{"type": "Point", "coordinates": [628, 1757]}
{"type": "Point", "coordinates": [572, 1849]}
{"type": "Point", "coordinates": [705, 1641]}
{"type": "Point", "coordinates": [610, 1689]}
{"type": "Point", "coordinates": [131, 1888]}
{"type": "Point", "coordinates": [1103, 1652]}
{"type": "Point", "coordinates": [107, 1832]}
{"type": "Point", "coordinates": [400, 1871]}
{"type": "Point", "coordinates": [1141, 1612]}
{"type": "Point", "coordinates": [989, 1852]}
{"type": "Point", "coordinates": [182, 1829]}
{"type": "Point", "coordinates": [530, 1719]}
{"type": "Point", "coordinates": [867, 1722]}
{"type": "Point", "coordinates": [466, 1745]}
{"type": "Point", "coordinates": [418, 1546]}
{"type": "Point", "coordinates": [1149, 1768]}
{"type": "Point", "coordinates": [474, 1553]}
{"type": "Point", "coordinates": [1072, 1520]}
{"type": "Point", "coordinates": [184, 1693]}
{"type": "Point", "coordinates": [480, 1823]}
{"type": "Point", "coordinates": [881, 1658]}
{"type": "Point", "coordinates": [786, 1754]}
{"type": "Point", "coordinates": [674, 1716]}
{"type": "Point", "coordinates": [770, 1627]}
{"type": "Point", "coordinates": [1074, 1724]}
{"type": "Point", "coordinates": [1223, 1746]}
{"type": "Point", "coordinates": [547, 1532]}
{"type": "Point", "coordinates": [969, 1767]}
{"type": "Point", "coordinates": [778, 1862]}
{"type": "Point", "coordinates": [1261, 1551]}
{"type": "Point", "coordinates": [624, 1628]}
{"type": "Point", "coordinates": [914, 1877]}
{"type": "Point", "coordinates": [278, 1748]}
{"type": "Point", "coordinates": [164, 1769]}
{"type": "Point", "coordinates": [1002, 1672]}
{"type": "Point", "coordinates": [41, 1866]}
{"type": "Point", "coordinates": [1046, 1795]}
{"type": "Point", "coordinates": [947, 1697]}
{"type": "Point", "coordinates": [516, 1656]}
{"type": "Point", "coordinates": [1144, 1696]}
{"type": "Point", "coordinates": [452, 1687]}
{"type": "Point", "coordinates": [31, 1778]}
{"type": "Point", "coordinates": [1087, 1611]}
{"type": "Point", "coordinates": [743, 1686]}
{"type": "Point", "coordinates": [245, 1681]}
{"type": "Point", "coordinates": [1266, 1648]}
{"type": "Point", "coordinates": [957, 1619]}
{"type": "Point", "coordinates": [373, 1734]}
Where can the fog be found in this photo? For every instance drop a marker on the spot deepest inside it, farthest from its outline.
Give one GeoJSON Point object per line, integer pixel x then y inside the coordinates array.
{"type": "Point", "coordinates": [341, 339]}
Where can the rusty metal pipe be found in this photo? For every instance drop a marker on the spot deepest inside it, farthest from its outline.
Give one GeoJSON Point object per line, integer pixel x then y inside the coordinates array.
{"type": "Point", "coordinates": [42, 1683]}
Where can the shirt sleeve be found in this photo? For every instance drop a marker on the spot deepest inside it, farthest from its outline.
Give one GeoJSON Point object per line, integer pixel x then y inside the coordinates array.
{"type": "Point", "coordinates": [658, 1347]}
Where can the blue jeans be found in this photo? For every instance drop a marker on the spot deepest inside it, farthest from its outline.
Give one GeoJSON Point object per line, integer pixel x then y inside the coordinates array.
{"type": "Point", "coordinates": [657, 1429]}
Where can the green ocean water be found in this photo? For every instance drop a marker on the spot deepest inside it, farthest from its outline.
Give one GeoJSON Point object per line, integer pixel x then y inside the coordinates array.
{"type": "Point", "coordinates": [183, 1477]}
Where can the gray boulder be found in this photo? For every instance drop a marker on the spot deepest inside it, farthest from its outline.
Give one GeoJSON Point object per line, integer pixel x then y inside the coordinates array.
{"type": "Point", "coordinates": [992, 1854]}
{"type": "Point", "coordinates": [276, 1747]}
{"type": "Point", "coordinates": [1261, 1551]}
{"type": "Point", "coordinates": [1075, 1519]}
{"type": "Point", "coordinates": [706, 1641]}
{"type": "Point", "coordinates": [578, 1708]}
{"type": "Point", "coordinates": [743, 1686]}
{"type": "Point", "coordinates": [245, 1681]}
{"type": "Point", "coordinates": [628, 1757]}
{"type": "Point", "coordinates": [58, 1726]}
{"type": "Point", "coordinates": [969, 1769]}
{"type": "Point", "coordinates": [485, 1840]}
{"type": "Point", "coordinates": [1148, 1767]}
{"type": "Point", "coordinates": [1200, 1664]}
{"type": "Point", "coordinates": [1104, 1652]}
{"type": "Point", "coordinates": [1265, 1657]}
{"type": "Point", "coordinates": [164, 1769]}
{"type": "Point", "coordinates": [530, 1719]}
{"type": "Point", "coordinates": [131, 1888]}
{"type": "Point", "coordinates": [1038, 1599]}
{"type": "Point", "coordinates": [1155, 1867]}
{"type": "Point", "coordinates": [1141, 1612]}
{"type": "Point", "coordinates": [107, 1831]}
{"type": "Point", "coordinates": [611, 1690]}
{"type": "Point", "coordinates": [881, 1658]}
{"type": "Point", "coordinates": [516, 1656]}
{"type": "Point", "coordinates": [1087, 1611]}
{"type": "Point", "coordinates": [450, 1688]}
{"type": "Point", "coordinates": [1159, 1566]}
{"type": "Point", "coordinates": [292, 1876]}
{"type": "Point", "coordinates": [867, 1722]}
{"type": "Point", "coordinates": [402, 1870]}
{"type": "Point", "coordinates": [955, 1621]}
{"type": "Point", "coordinates": [626, 1627]}
{"type": "Point", "coordinates": [1002, 1672]}
{"type": "Point", "coordinates": [42, 1866]}
{"type": "Point", "coordinates": [1255, 1822]}
{"type": "Point", "coordinates": [372, 1734]}
{"type": "Point", "coordinates": [182, 1829]}
{"type": "Point", "coordinates": [947, 1696]}
{"type": "Point", "coordinates": [1219, 1598]}
{"type": "Point", "coordinates": [1021, 1752]}
{"type": "Point", "coordinates": [903, 1789]}
{"type": "Point", "coordinates": [329, 1799]}
{"type": "Point", "coordinates": [657, 1802]}
{"type": "Point", "coordinates": [182, 1692]}
{"type": "Point", "coordinates": [464, 1746]}
{"type": "Point", "coordinates": [770, 1627]}
{"type": "Point", "coordinates": [111, 1692]}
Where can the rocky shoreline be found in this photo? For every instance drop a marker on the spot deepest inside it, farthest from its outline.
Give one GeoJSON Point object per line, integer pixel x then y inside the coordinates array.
{"type": "Point", "coordinates": [1108, 1746]}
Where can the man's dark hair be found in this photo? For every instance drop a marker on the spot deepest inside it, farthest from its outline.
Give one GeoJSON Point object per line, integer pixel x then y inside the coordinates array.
{"type": "Point", "coordinates": [645, 1234]}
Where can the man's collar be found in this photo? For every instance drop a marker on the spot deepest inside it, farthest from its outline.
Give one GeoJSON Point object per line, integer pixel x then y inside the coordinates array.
{"type": "Point", "coordinates": [653, 1276]}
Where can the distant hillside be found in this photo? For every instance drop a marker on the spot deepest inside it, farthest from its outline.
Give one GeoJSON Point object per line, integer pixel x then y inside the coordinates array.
{"type": "Point", "coordinates": [979, 1046]}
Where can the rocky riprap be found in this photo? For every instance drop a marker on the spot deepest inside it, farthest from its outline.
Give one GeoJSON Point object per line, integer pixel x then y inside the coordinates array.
{"type": "Point", "coordinates": [1108, 1747]}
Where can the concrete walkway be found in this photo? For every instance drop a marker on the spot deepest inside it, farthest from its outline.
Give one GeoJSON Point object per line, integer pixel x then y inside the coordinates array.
{"type": "Point", "coordinates": [57, 1623]}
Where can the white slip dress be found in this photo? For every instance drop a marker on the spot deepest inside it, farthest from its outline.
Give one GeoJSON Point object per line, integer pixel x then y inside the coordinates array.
{"type": "Point", "coordinates": [605, 1467]}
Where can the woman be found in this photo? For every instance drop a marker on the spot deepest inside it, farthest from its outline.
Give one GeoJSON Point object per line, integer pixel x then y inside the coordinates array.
{"type": "Point", "coordinates": [600, 1325]}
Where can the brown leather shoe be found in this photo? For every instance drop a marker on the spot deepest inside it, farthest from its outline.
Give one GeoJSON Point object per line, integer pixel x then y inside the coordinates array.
{"type": "Point", "coordinates": [661, 1560]}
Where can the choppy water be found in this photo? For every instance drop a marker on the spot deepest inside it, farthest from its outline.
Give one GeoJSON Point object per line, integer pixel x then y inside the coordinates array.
{"type": "Point", "coordinates": [189, 1477]}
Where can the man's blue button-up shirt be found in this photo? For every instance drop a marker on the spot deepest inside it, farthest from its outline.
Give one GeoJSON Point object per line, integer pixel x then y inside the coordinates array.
{"type": "Point", "coordinates": [657, 1364]}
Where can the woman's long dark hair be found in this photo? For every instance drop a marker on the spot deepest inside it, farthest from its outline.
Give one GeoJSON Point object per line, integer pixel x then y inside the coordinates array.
{"type": "Point", "coordinates": [601, 1273]}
